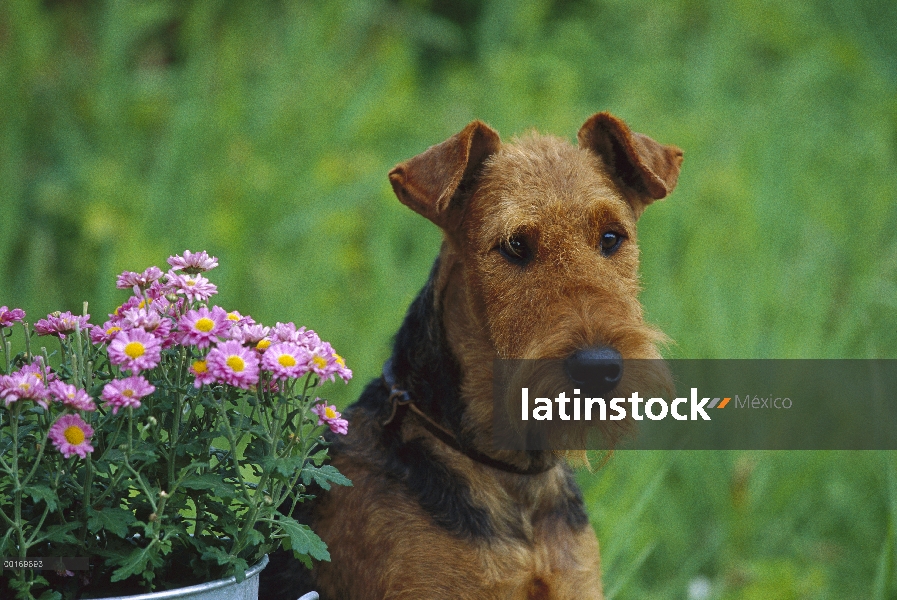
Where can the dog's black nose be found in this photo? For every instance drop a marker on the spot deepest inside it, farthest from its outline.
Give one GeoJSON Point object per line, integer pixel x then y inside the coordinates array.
{"type": "Point", "coordinates": [599, 369]}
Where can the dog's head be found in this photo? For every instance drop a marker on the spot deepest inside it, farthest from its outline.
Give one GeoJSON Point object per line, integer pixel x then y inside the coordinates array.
{"type": "Point", "coordinates": [540, 259]}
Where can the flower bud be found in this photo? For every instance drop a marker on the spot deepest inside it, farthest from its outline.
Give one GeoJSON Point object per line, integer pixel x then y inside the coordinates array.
{"type": "Point", "coordinates": [268, 500]}
{"type": "Point", "coordinates": [153, 517]}
{"type": "Point", "coordinates": [163, 494]}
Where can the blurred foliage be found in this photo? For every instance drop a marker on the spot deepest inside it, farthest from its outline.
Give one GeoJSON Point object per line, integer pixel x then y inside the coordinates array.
{"type": "Point", "coordinates": [752, 525]}
{"type": "Point", "coordinates": [262, 132]}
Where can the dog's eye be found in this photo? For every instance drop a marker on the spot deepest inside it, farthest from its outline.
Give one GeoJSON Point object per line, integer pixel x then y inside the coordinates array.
{"type": "Point", "coordinates": [515, 250]}
{"type": "Point", "coordinates": [610, 242]}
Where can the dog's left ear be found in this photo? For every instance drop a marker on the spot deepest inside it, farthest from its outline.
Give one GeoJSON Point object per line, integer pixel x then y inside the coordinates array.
{"type": "Point", "coordinates": [644, 166]}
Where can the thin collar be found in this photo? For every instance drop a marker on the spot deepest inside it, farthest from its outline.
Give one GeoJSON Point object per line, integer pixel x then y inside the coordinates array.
{"type": "Point", "coordinates": [401, 403]}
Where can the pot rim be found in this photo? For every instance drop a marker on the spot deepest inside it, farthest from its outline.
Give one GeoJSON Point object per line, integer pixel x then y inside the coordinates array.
{"type": "Point", "coordinates": [194, 589]}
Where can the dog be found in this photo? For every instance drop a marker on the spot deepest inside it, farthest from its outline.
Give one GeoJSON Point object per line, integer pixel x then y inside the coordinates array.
{"type": "Point", "coordinates": [539, 260]}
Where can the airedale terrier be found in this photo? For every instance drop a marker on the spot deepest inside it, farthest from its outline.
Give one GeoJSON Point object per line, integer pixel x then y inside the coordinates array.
{"type": "Point", "coordinates": [539, 260]}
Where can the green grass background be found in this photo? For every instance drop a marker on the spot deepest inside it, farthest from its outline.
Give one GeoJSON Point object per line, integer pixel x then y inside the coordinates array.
{"type": "Point", "coordinates": [262, 132]}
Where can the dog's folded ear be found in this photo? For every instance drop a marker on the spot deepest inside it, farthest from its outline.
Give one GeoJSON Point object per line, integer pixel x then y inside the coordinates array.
{"type": "Point", "coordinates": [428, 182]}
{"type": "Point", "coordinates": [644, 166]}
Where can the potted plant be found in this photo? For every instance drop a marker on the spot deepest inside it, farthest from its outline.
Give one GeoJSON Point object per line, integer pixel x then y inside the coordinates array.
{"type": "Point", "coordinates": [169, 445]}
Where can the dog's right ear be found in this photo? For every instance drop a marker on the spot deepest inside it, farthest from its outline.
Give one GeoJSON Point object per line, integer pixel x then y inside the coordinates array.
{"type": "Point", "coordinates": [428, 182]}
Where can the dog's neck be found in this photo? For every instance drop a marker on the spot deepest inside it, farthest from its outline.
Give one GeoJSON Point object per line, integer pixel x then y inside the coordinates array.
{"type": "Point", "coordinates": [439, 327]}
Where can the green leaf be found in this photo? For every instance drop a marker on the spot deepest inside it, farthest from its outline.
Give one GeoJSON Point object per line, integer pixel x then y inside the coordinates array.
{"type": "Point", "coordinates": [115, 520]}
{"type": "Point", "coordinates": [255, 538]}
{"type": "Point", "coordinates": [237, 564]}
{"type": "Point", "coordinates": [42, 492]}
{"type": "Point", "coordinates": [114, 456]}
{"type": "Point", "coordinates": [190, 448]}
{"type": "Point", "coordinates": [60, 533]}
{"type": "Point", "coordinates": [144, 452]}
{"type": "Point", "coordinates": [324, 476]}
{"type": "Point", "coordinates": [301, 539]}
{"type": "Point", "coordinates": [218, 555]}
{"type": "Point", "coordinates": [138, 563]}
{"type": "Point", "coordinates": [305, 559]}
{"type": "Point", "coordinates": [286, 467]}
{"type": "Point", "coordinates": [211, 482]}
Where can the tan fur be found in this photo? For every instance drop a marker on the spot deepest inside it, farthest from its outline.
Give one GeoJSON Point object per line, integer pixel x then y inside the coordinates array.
{"type": "Point", "coordinates": [561, 198]}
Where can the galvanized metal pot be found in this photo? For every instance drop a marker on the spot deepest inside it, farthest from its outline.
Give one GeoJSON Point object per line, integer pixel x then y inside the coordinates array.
{"type": "Point", "coordinates": [222, 589]}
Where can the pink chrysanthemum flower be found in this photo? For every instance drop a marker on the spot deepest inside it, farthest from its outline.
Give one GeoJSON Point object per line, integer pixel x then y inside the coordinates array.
{"type": "Point", "coordinates": [201, 373]}
{"type": "Point", "coordinates": [307, 337]}
{"type": "Point", "coordinates": [126, 393]}
{"type": "Point", "coordinates": [151, 321]}
{"type": "Point", "coordinates": [193, 263]}
{"type": "Point", "coordinates": [322, 362]}
{"type": "Point", "coordinates": [248, 334]}
{"type": "Point", "coordinates": [23, 385]}
{"type": "Point", "coordinates": [284, 332]}
{"type": "Point", "coordinates": [132, 302]}
{"type": "Point", "coordinates": [193, 287]}
{"type": "Point", "coordinates": [135, 350]}
{"type": "Point", "coordinates": [287, 332]}
{"type": "Point", "coordinates": [104, 334]}
{"type": "Point", "coordinates": [8, 316]}
{"type": "Point", "coordinates": [236, 318]}
{"type": "Point", "coordinates": [144, 318]}
{"type": "Point", "coordinates": [329, 416]}
{"type": "Point", "coordinates": [71, 435]}
{"type": "Point", "coordinates": [38, 368]}
{"type": "Point", "coordinates": [231, 363]}
{"type": "Point", "coordinates": [201, 327]}
{"type": "Point", "coordinates": [342, 371]}
{"type": "Point", "coordinates": [61, 324]}
{"type": "Point", "coordinates": [130, 279]}
{"type": "Point", "coordinates": [285, 359]}
{"type": "Point", "coordinates": [71, 396]}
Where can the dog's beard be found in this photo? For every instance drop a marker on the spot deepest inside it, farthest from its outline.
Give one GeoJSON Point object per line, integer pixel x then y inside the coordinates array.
{"type": "Point", "coordinates": [547, 379]}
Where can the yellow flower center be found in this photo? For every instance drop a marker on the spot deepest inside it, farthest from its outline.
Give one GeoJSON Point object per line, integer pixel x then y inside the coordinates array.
{"type": "Point", "coordinates": [319, 362]}
{"type": "Point", "coordinates": [113, 329]}
{"type": "Point", "coordinates": [135, 349]}
{"type": "Point", "coordinates": [24, 386]}
{"type": "Point", "coordinates": [142, 304]}
{"type": "Point", "coordinates": [233, 316]}
{"type": "Point", "coordinates": [339, 360]}
{"type": "Point", "coordinates": [205, 324]}
{"type": "Point", "coordinates": [191, 282]}
{"type": "Point", "coordinates": [286, 360]}
{"type": "Point", "coordinates": [127, 393]}
{"type": "Point", "coordinates": [263, 345]}
{"type": "Point", "coordinates": [236, 363]}
{"type": "Point", "coordinates": [329, 413]}
{"type": "Point", "coordinates": [73, 435]}
{"type": "Point", "coordinates": [200, 366]}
